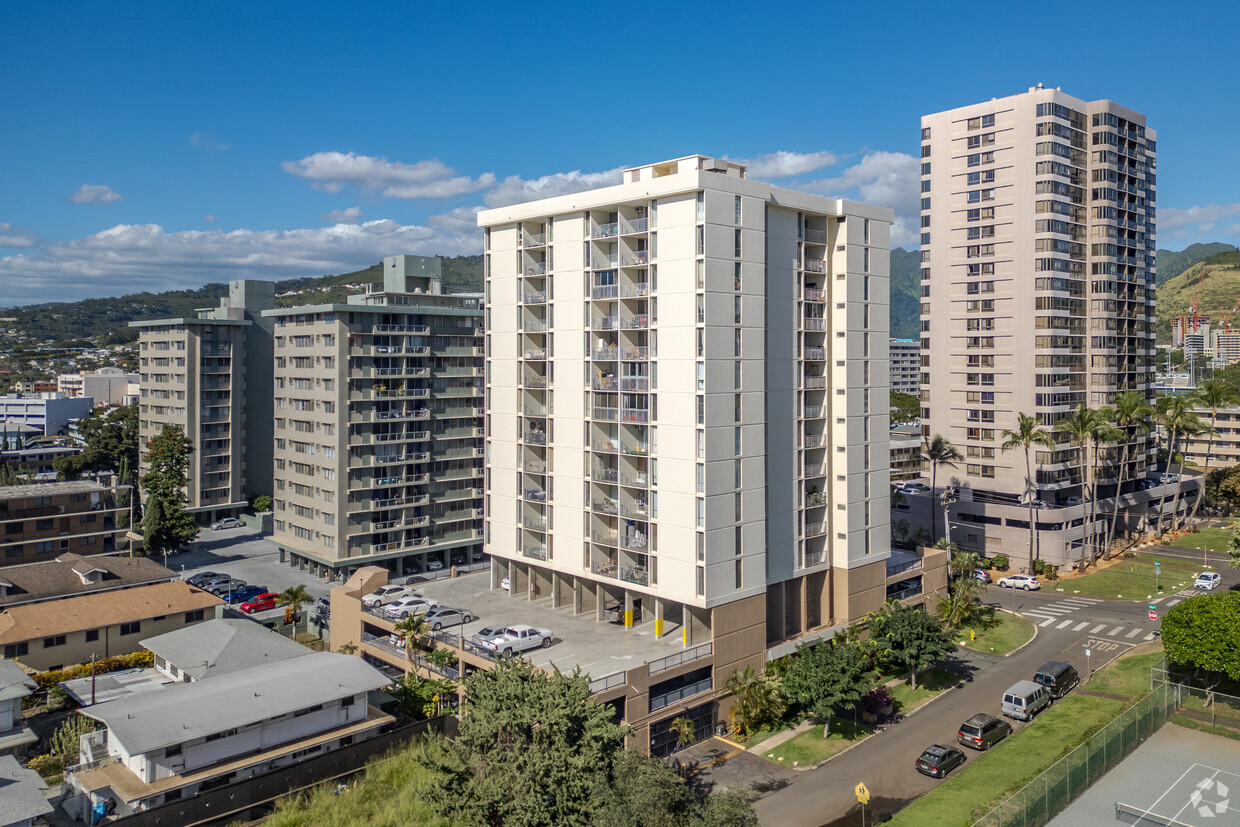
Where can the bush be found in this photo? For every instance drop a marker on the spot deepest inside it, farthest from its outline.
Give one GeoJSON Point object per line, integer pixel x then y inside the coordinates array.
{"type": "Point", "coordinates": [115, 663]}
{"type": "Point", "coordinates": [1000, 561]}
{"type": "Point", "coordinates": [46, 765]}
{"type": "Point", "coordinates": [262, 503]}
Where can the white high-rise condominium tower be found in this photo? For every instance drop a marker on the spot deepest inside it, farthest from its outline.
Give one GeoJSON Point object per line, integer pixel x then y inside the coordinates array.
{"type": "Point", "coordinates": [1038, 296]}
{"type": "Point", "coordinates": [687, 407]}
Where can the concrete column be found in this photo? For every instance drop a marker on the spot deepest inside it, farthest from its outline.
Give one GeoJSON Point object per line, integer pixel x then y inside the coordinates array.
{"type": "Point", "coordinates": [658, 618]}
{"type": "Point", "coordinates": [578, 602]}
{"type": "Point", "coordinates": [628, 609]}
{"type": "Point", "coordinates": [600, 613]}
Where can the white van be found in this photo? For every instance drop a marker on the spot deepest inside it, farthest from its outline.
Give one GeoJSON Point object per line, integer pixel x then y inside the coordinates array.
{"type": "Point", "coordinates": [1025, 699]}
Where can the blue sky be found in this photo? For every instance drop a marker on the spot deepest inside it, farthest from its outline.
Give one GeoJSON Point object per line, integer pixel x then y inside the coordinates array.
{"type": "Point", "coordinates": [152, 145]}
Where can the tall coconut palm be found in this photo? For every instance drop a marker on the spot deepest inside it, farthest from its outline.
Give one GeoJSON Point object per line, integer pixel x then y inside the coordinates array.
{"type": "Point", "coordinates": [1104, 432]}
{"type": "Point", "coordinates": [1175, 415]}
{"type": "Point", "coordinates": [938, 451]}
{"type": "Point", "coordinates": [1212, 394]}
{"type": "Point", "coordinates": [1132, 413]}
{"type": "Point", "coordinates": [408, 629]}
{"type": "Point", "coordinates": [1081, 426]}
{"type": "Point", "coordinates": [1027, 434]}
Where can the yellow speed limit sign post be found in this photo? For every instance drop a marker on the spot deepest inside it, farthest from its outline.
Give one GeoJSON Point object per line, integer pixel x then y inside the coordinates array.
{"type": "Point", "coordinates": [863, 795]}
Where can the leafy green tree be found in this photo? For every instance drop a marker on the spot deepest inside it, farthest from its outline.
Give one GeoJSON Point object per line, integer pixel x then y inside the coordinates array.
{"type": "Point", "coordinates": [1233, 549]}
{"type": "Point", "coordinates": [757, 696]}
{"type": "Point", "coordinates": [730, 808]}
{"type": "Point", "coordinates": [13, 474]}
{"type": "Point", "coordinates": [904, 408]}
{"type": "Point", "coordinates": [1027, 434]}
{"type": "Point", "coordinates": [111, 445]}
{"type": "Point", "coordinates": [1204, 633]}
{"type": "Point", "coordinates": [642, 792]}
{"type": "Point", "coordinates": [538, 748]}
{"type": "Point", "coordinates": [262, 503]}
{"type": "Point", "coordinates": [167, 460]}
{"type": "Point", "coordinates": [909, 639]}
{"type": "Point", "coordinates": [938, 451]}
{"type": "Point", "coordinates": [1131, 415]}
{"type": "Point", "coordinates": [421, 698]}
{"type": "Point", "coordinates": [827, 678]}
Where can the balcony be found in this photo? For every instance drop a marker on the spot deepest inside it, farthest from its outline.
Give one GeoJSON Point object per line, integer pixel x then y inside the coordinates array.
{"type": "Point", "coordinates": [814, 411]}
{"type": "Point", "coordinates": [607, 538]}
{"type": "Point", "coordinates": [634, 415]}
{"type": "Point", "coordinates": [605, 354]}
{"type": "Point", "coordinates": [536, 355]}
{"type": "Point", "coordinates": [606, 414]}
{"type": "Point", "coordinates": [605, 506]}
{"type": "Point", "coordinates": [817, 236]}
{"type": "Point", "coordinates": [815, 295]}
{"type": "Point", "coordinates": [636, 291]}
{"type": "Point", "coordinates": [604, 474]}
{"type": "Point", "coordinates": [634, 354]}
{"type": "Point", "coordinates": [815, 529]}
{"type": "Point", "coordinates": [815, 354]}
{"type": "Point", "coordinates": [640, 322]}
{"type": "Point", "coordinates": [599, 261]}
{"type": "Point", "coordinates": [816, 441]}
{"type": "Point", "coordinates": [537, 268]}
{"type": "Point", "coordinates": [419, 329]}
{"type": "Point", "coordinates": [605, 230]}
{"type": "Point", "coordinates": [639, 449]}
{"type": "Point", "coordinates": [535, 495]}
{"type": "Point", "coordinates": [534, 438]}
{"type": "Point", "coordinates": [816, 470]}
{"type": "Point", "coordinates": [535, 298]}
{"type": "Point", "coordinates": [635, 575]}
{"type": "Point", "coordinates": [815, 324]}
{"type": "Point", "coordinates": [604, 291]}
{"type": "Point", "coordinates": [637, 225]}
{"type": "Point", "coordinates": [534, 239]}
{"type": "Point", "coordinates": [606, 323]}
{"type": "Point", "coordinates": [640, 258]}
{"type": "Point", "coordinates": [668, 698]}
{"type": "Point", "coordinates": [815, 382]}
{"type": "Point", "coordinates": [604, 383]}
{"type": "Point", "coordinates": [814, 265]}
{"type": "Point", "coordinates": [532, 381]}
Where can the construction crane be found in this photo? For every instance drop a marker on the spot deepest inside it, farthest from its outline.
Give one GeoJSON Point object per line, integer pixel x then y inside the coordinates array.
{"type": "Point", "coordinates": [1226, 317]}
{"type": "Point", "coordinates": [1197, 299]}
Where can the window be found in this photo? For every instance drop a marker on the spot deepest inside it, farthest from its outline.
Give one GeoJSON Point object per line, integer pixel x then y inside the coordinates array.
{"type": "Point", "coordinates": [737, 217]}
{"type": "Point", "coordinates": [16, 650]}
{"type": "Point", "coordinates": [131, 628]}
{"type": "Point", "coordinates": [92, 635]}
{"type": "Point", "coordinates": [738, 574]}
{"type": "Point", "coordinates": [172, 751]}
{"type": "Point", "coordinates": [347, 702]}
{"type": "Point", "coordinates": [195, 616]}
{"type": "Point", "coordinates": [55, 640]}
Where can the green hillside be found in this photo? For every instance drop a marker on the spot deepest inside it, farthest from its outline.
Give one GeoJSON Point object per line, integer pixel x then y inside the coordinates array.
{"type": "Point", "coordinates": [106, 320]}
{"type": "Point", "coordinates": [1171, 263]}
{"type": "Point", "coordinates": [905, 293]}
{"type": "Point", "coordinates": [1219, 294]}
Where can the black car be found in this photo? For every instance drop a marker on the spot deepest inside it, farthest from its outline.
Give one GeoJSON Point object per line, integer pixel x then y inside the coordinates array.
{"type": "Point", "coordinates": [983, 731]}
{"type": "Point", "coordinates": [938, 760]}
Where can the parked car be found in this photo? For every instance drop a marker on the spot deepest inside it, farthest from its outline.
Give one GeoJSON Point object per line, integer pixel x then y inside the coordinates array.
{"type": "Point", "coordinates": [1166, 478]}
{"type": "Point", "coordinates": [1039, 504]}
{"type": "Point", "coordinates": [937, 760]}
{"type": "Point", "coordinates": [615, 612]}
{"type": "Point", "coordinates": [1058, 677]}
{"type": "Point", "coordinates": [486, 633]}
{"type": "Point", "coordinates": [1020, 581]}
{"type": "Point", "coordinates": [411, 605]}
{"type": "Point", "coordinates": [388, 594]}
{"type": "Point", "coordinates": [1207, 580]}
{"type": "Point", "coordinates": [505, 584]}
{"type": "Point", "coordinates": [459, 558]}
{"type": "Point", "coordinates": [981, 574]}
{"type": "Point", "coordinates": [260, 603]}
{"type": "Point", "coordinates": [1024, 699]}
{"type": "Point", "coordinates": [227, 522]}
{"type": "Point", "coordinates": [434, 564]}
{"type": "Point", "coordinates": [519, 638]}
{"type": "Point", "coordinates": [1073, 501]}
{"type": "Point", "coordinates": [202, 577]}
{"type": "Point", "coordinates": [983, 731]}
{"type": "Point", "coordinates": [1146, 484]}
{"type": "Point", "coordinates": [441, 616]}
{"type": "Point", "coordinates": [324, 607]}
{"type": "Point", "coordinates": [913, 487]}
{"type": "Point", "coordinates": [231, 584]}
{"type": "Point", "coordinates": [242, 595]}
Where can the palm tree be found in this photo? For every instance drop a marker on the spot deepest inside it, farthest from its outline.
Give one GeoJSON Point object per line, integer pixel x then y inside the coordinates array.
{"type": "Point", "coordinates": [938, 451]}
{"type": "Point", "coordinates": [898, 498]}
{"type": "Point", "coordinates": [1131, 411]}
{"type": "Point", "coordinates": [758, 698]}
{"type": "Point", "coordinates": [899, 529]}
{"type": "Point", "coordinates": [293, 598]}
{"type": "Point", "coordinates": [408, 629]}
{"type": "Point", "coordinates": [1027, 434]}
{"type": "Point", "coordinates": [1175, 414]}
{"type": "Point", "coordinates": [684, 730]}
{"type": "Point", "coordinates": [1212, 394]}
{"type": "Point", "coordinates": [1087, 427]}
{"type": "Point", "coordinates": [963, 590]}
{"type": "Point", "coordinates": [921, 536]}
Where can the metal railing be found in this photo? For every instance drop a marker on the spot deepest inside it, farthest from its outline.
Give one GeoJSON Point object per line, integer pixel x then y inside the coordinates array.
{"type": "Point", "coordinates": [668, 698]}
{"type": "Point", "coordinates": [704, 650]}
{"type": "Point", "coordinates": [608, 682]}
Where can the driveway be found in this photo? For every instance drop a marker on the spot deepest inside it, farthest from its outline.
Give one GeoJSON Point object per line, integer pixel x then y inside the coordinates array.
{"type": "Point", "coordinates": [245, 554]}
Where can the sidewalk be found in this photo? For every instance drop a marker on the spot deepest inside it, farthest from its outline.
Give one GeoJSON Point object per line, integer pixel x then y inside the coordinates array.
{"type": "Point", "coordinates": [780, 737]}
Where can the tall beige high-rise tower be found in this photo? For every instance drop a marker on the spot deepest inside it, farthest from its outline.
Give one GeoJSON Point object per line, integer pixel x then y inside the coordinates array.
{"type": "Point", "coordinates": [1037, 278]}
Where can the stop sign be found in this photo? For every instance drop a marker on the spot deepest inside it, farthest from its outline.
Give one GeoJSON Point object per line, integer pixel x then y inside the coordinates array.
{"type": "Point", "coordinates": [1153, 615]}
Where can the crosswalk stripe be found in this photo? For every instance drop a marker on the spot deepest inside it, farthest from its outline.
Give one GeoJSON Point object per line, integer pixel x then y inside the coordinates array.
{"type": "Point", "coordinates": [1115, 631]}
{"type": "Point", "coordinates": [1065, 623]}
{"type": "Point", "coordinates": [1173, 602]}
{"type": "Point", "coordinates": [1156, 601]}
{"type": "Point", "coordinates": [1078, 627]}
{"type": "Point", "coordinates": [1047, 622]}
{"type": "Point", "coordinates": [1097, 628]}
{"type": "Point", "coordinates": [1133, 633]}
{"type": "Point", "coordinates": [1150, 636]}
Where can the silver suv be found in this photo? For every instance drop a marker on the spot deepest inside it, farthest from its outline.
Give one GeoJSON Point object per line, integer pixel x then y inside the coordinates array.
{"type": "Point", "coordinates": [983, 731]}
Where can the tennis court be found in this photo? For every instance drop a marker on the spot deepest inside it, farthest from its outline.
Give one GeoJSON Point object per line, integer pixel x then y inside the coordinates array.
{"type": "Point", "coordinates": [1178, 778]}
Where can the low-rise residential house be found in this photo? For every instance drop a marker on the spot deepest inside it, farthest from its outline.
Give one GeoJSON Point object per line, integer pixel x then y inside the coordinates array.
{"type": "Point", "coordinates": [15, 685]}
{"type": "Point", "coordinates": [22, 798]}
{"type": "Point", "coordinates": [48, 518]}
{"type": "Point", "coordinates": [188, 738]}
{"type": "Point", "coordinates": [71, 575]}
{"type": "Point", "coordinates": [219, 647]}
{"type": "Point", "coordinates": [54, 634]}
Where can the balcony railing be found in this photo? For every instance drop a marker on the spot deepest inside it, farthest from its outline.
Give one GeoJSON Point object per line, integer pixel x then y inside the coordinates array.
{"type": "Point", "coordinates": [535, 437]}
{"type": "Point", "coordinates": [812, 294]}
{"type": "Point", "coordinates": [606, 323]}
{"type": "Point", "coordinates": [634, 354]}
{"type": "Point", "coordinates": [606, 414]}
{"type": "Point", "coordinates": [637, 576]}
{"type": "Point", "coordinates": [535, 496]}
{"type": "Point", "coordinates": [604, 291]}
{"type": "Point", "coordinates": [815, 354]}
{"type": "Point", "coordinates": [634, 415]}
{"type": "Point", "coordinates": [680, 658]}
{"type": "Point", "coordinates": [535, 298]}
{"type": "Point", "coordinates": [637, 259]}
{"type": "Point", "coordinates": [605, 506]}
{"type": "Point", "coordinates": [817, 236]}
{"type": "Point", "coordinates": [815, 529]}
{"type": "Point", "coordinates": [534, 239]}
{"type": "Point", "coordinates": [608, 682]}
{"type": "Point", "coordinates": [536, 355]}
{"type": "Point", "coordinates": [814, 265]}
{"type": "Point", "coordinates": [814, 411]}
{"type": "Point", "coordinates": [815, 382]}
{"type": "Point", "coordinates": [636, 291]}
{"type": "Point", "coordinates": [815, 324]}
{"type": "Point", "coordinates": [605, 474]}
{"type": "Point", "coordinates": [605, 354]}
{"type": "Point", "coordinates": [535, 552]}
{"type": "Point", "coordinates": [668, 698]}
{"type": "Point", "coordinates": [816, 470]}
{"type": "Point", "coordinates": [538, 268]}
{"type": "Point", "coordinates": [605, 230]}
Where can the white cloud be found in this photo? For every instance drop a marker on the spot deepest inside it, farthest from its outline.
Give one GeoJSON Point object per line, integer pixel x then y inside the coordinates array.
{"type": "Point", "coordinates": [431, 179]}
{"type": "Point", "coordinates": [94, 194]}
{"type": "Point", "coordinates": [206, 141]}
{"type": "Point", "coordinates": [887, 179]}
{"type": "Point", "coordinates": [783, 164]}
{"type": "Point", "coordinates": [1170, 217]}
{"type": "Point", "coordinates": [17, 238]}
{"type": "Point", "coordinates": [1234, 229]}
{"type": "Point", "coordinates": [350, 216]}
{"type": "Point", "coordinates": [516, 190]}
{"type": "Point", "coordinates": [461, 222]}
{"type": "Point", "coordinates": [131, 258]}
{"type": "Point", "coordinates": [208, 219]}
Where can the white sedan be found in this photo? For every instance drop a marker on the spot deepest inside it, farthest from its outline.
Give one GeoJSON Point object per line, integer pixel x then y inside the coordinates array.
{"type": "Point", "coordinates": [1020, 581]}
{"type": "Point", "coordinates": [227, 522]}
{"type": "Point", "coordinates": [411, 605]}
{"type": "Point", "coordinates": [1207, 580]}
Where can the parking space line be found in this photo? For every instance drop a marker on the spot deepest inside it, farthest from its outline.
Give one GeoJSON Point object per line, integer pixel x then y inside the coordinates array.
{"type": "Point", "coordinates": [1078, 627]}
{"type": "Point", "coordinates": [1097, 628]}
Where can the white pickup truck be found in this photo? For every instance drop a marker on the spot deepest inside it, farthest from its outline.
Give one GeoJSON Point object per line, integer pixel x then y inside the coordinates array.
{"type": "Point", "coordinates": [518, 638]}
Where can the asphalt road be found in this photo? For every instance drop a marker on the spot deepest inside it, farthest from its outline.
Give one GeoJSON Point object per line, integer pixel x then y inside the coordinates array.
{"type": "Point", "coordinates": [1068, 626]}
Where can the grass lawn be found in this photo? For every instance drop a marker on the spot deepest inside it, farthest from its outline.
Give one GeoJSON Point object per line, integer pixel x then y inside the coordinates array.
{"type": "Point", "coordinates": [930, 684]}
{"type": "Point", "coordinates": [1215, 539]}
{"type": "Point", "coordinates": [810, 747]}
{"type": "Point", "coordinates": [767, 731]}
{"type": "Point", "coordinates": [989, 778]}
{"type": "Point", "coordinates": [1226, 732]}
{"type": "Point", "coordinates": [1129, 677]}
{"type": "Point", "coordinates": [1131, 579]}
{"type": "Point", "coordinates": [1007, 633]}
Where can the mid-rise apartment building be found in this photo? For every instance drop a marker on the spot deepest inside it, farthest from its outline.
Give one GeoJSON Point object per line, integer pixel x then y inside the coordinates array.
{"type": "Point", "coordinates": [687, 413]}
{"type": "Point", "coordinates": [107, 386]}
{"type": "Point", "coordinates": [378, 426]}
{"type": "Point", "coordinates": [49, 411]}
{"type": "Point", "coordinates": [211, 376]}
{"type": "Point", "coordinates": [906, 366]}
{"type": "Point", "coordinates": [42, 520]}
{"type": "Point", "coordinates": [1038, 239]}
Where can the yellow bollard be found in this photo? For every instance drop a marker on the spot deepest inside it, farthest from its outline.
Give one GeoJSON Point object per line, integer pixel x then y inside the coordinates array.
{"type": "Point", "coordinates": [658, 627]}
{"type": "Point", "coordinates": [972, 635]}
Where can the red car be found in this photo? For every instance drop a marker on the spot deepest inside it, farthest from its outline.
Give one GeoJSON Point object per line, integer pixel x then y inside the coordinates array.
{"type": "Point", "coordinates": [260, 602]}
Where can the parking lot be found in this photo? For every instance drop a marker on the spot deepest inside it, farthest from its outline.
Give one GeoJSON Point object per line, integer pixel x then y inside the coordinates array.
{"type": "Point", "coordinates": [599, 648]}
